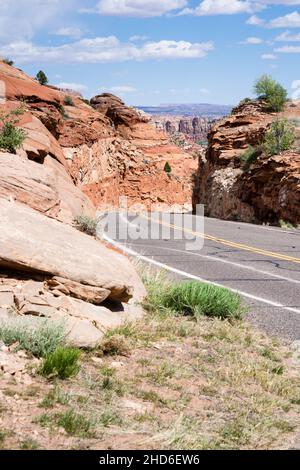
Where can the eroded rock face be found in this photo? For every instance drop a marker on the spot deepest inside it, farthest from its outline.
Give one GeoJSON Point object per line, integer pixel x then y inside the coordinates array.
{"type": "Point", "coordinates": [269, 190]}
{"type": "Point", "coordinates": [46, 188]}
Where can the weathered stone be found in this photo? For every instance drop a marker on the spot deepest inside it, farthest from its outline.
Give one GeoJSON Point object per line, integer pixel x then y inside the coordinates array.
{"type": "Point", "coordinates": [34, 243]}
{"type": "Point", "coordinates": [94, 295]}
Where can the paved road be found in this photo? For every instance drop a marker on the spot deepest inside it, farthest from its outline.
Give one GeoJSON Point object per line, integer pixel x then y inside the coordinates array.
{"type": "Point", "coordinates": [262, 263]}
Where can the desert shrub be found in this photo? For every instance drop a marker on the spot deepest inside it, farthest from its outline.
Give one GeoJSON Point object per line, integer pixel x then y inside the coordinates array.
{"type": "Point", "coordinates": [63, 112]}
{"type": "Point", "coordinates": [8, 61]}
{"type": "Point", "coordinates": [86, 224]}
{"type": "Point", "coordinates": [168, 168]}
{"type": "Point", "coordinates": [39, 340]}
{"type": "Point", "coordinates": [69, 101]}
{"type": "Point", "coordinates": [197, 299]}
{"type": "Point", "coordinates": [41, 77]}
{"type": "Point", "coordinates": [11, 137]}
{"type": "Point", "coordinates": [75, 424]}
{"type": "Point", "coordinates": [267, 89]}
{"type": "Point", "coordinates": [190, 298]}
{"type": "Point", "coordinates": [62, 363]}
{"type": "Point", "coordinates": [244, 101]}
{"type": "Point", "coordinates": [279, 137]}
{"type": "Point", "coordinates": [86, 101]}
{"type": "Point", "coordinates": [250, 156]}
{"type": "Point", "coordinates": [115, 345]}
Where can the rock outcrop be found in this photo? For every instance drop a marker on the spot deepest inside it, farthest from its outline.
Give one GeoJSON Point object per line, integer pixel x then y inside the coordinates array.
{"type": "Point", "coordinates": [131, 161]}
{"type": "Point", "coordinates": [48, 269]}
{"type": "Point", "coordinates": [269, 190]}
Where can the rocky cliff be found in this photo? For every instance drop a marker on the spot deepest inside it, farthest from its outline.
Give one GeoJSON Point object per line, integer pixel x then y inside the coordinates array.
{"type": "Point", "coordinates": [195, 128]}
{"type": "Point", "coordinates": [269, 190]}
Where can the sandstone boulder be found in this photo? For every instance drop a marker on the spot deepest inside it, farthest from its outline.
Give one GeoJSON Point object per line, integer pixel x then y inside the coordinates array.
{"type": "Point", "coordinates": [33, 243]}
{"type": "Point", "coordinates": [46, 188]}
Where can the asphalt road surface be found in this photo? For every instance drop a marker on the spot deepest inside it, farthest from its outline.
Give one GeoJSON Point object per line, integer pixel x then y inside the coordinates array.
{"type": "Point", "coordinates": [261, 263]}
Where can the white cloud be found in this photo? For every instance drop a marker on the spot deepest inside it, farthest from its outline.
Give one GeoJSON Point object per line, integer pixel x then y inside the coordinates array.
{"type": "Point", "coordinates": [223, 7]}
{"type": "Point", "coordinates": [137, 37]}
{"type": "Point", "coordinates": [288, 49]}
{"type": "Point", "coordinates": [255, 21]}
{"type": "Point", "coordinates": [23, 18]}
{"type": "Point", "coordinates": [72, 86]}
{"type": "Point", "coordinates": [122, 89]}
{"type": "Point", "coordinates": [253, 40]}
{"type": "Point", "coordinates": [138, 8]}
{"type": "Point", "coordinates": [269, 56]}
{"type": "Point", "coordinates": [204, 91]}
{"type": "Point", "coordinates": [69, 32]}
{"type": "Point", "coordinates": [287, 37]}
{"type": "Point", "coordinates": [291, 20]}
{"type": "Point", "coordinates": [103, 50]}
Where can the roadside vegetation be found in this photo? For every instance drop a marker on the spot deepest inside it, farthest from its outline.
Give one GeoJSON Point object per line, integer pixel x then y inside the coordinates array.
{"type": "Point", "coordinates": [11, 136]}
{"type": "Point", "coordinates": [39, 340]}
{"type": "Point", "coordinates": [186, 376]}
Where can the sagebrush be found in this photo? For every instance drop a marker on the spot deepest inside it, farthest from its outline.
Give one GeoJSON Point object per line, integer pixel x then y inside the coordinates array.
{"type": "Point", "coordinates": [38, 339]}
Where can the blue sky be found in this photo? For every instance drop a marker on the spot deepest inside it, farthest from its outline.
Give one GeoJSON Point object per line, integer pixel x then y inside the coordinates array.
{"type": "Point", "coordinates": [155, 51]}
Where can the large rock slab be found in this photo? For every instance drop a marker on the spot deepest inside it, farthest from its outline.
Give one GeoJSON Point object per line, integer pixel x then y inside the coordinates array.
{"type": "Point", "coordinates": [34, 243]}
{"type": "Point", "coordinates": [46, 188]}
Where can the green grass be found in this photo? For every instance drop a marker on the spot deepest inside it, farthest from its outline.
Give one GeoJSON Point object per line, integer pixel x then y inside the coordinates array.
{"type": "Point", "coordinates": [62, 363]}
{"type": "Point", "coordinates": [39, 340]}
{"type": "Point", "coordinates": [75, 424]}
{"type": "Point", "coordinates": [285, 225]}
{"type": "Point", "coordinates": [55, 396]}
{"type": "Point", "coordinates": [196, 299]}
{"type": "Point", "coordinates": [29, 444]}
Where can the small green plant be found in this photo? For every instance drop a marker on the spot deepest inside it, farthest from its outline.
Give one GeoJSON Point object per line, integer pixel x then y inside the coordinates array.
{"type": "Point", "coordinates": [275, 96]}
{"type": "Point", "coordinates": [11, 137]}
{"type": "Point", "coordinates": [245, 101]}
{"type": "Point", "coordinates": [63, 112]}
{"type": "Point", "coordinates": [250, 156]}
{"type": "Point", "coordinates": [55, 396]}
{"type": "Point", "coordinates": [39, 340]}
{"type": "Point", "coordinates": [198, 299]}
{"type": "Point", "coordinates": [168, 168]}
{"type": "Point", "coordinates": [41, 77]}
{"type": "Point", "coordinates": [86, 224]}
{"type": "Point", "coordinates": [8, 61]}
{"type": "Point", "coordinates": [29, 444]}
{"type": "Point", "coordinates": [75, 424]}
{"type": "Point", "coordinates": [285, 224]}
{"type": "Point", "coordinates": [68, 101]}
{"type": "Point", "coordinates": [279, 137]}
{"type": "Point", "coordinates": [62, 363]}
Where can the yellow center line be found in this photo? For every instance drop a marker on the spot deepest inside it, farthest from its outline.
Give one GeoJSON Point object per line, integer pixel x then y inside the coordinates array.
{"type": "Point", "coordinates": [230, 243]}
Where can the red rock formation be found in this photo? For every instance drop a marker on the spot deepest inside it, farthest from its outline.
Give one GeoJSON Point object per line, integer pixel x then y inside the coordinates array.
{"type": "Point", "coordinates": [110, 150]}
{"type": "Point", "coordinates": [130, 162]}
{"type": "Point", "coordinates": [269, 191]}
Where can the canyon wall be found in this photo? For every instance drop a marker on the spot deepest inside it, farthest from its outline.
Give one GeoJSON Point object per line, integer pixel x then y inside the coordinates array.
{"type": "Point", "coordinates": [270, 189]}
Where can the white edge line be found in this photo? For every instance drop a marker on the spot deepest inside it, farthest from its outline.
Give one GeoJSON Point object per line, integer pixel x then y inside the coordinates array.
{"type": "Point", "coordinates": [220, 260]}
{"type": "Point", "coordinates": [131, 252]}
